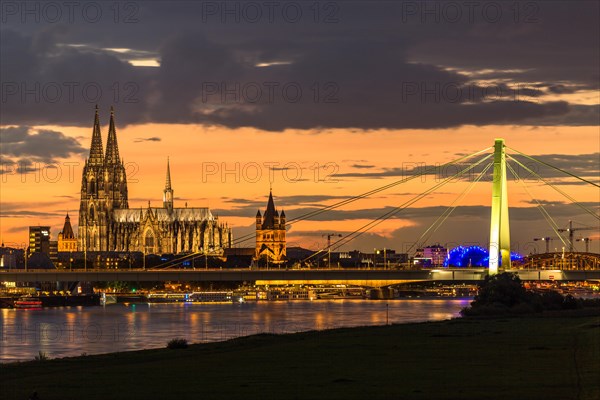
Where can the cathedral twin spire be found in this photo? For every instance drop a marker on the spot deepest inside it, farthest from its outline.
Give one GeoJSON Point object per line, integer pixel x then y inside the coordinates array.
{"type": "Point", "coordinates": [96, 151]}
{"type": "Point", "coordinates": [97, 156]}
{"type": "Point", "coordinates": [112, 147]}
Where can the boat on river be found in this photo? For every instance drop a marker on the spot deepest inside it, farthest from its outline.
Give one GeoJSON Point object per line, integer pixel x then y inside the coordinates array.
{"type": "Point", "coordinates": [28, 302]}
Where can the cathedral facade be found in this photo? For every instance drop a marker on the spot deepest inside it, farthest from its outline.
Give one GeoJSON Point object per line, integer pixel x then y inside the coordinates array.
{"type": "Point", "coordinates": [106, 223]}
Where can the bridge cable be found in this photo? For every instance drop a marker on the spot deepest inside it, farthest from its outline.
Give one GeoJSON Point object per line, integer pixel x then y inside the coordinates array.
{"type": "Point", "coordinates": [556, 168]}
{"type": "Point", "coordinates": [310, 214]}
{"type": "Point", "coordinates": [556, 188]}
{"type": "Point", "coordinates": [358, 232]}
{"type": "Point", "coordinates": [540, 207]}
{"type": "Point", "coordinates": [344, 202]}
{"type": "Point", "coordinates": [385, 187]}
{"type": "Point", "coordinates": [394, 211]}
{"type": "Point", "coordinates": [449, 210]}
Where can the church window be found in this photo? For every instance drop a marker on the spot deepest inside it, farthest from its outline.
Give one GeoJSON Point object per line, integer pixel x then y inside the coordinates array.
{"type": "Point", "coordinates": [149, 242]}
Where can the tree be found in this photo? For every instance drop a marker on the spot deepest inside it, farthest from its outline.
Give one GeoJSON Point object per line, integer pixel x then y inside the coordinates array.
{"type": "Point", "coordinates": [503, 289]}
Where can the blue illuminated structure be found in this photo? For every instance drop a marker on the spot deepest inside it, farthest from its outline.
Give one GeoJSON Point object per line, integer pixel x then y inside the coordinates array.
{"type": "Point", "coordinates": [472, 256]}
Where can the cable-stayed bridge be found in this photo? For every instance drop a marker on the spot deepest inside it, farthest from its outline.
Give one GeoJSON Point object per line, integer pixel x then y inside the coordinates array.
{"type": "Point", "coordinates": [552, 267]}
{"type": "Point", "coordinates": [498, 161]}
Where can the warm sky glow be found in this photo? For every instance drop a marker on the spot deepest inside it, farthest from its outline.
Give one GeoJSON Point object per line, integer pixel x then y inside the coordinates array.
{"type": "Point", "coordinates": [221, 168]}
{"type": "Point", "coordinates": [340, 102]}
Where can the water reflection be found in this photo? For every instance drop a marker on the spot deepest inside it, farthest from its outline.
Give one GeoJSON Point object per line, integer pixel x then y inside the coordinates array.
{"type": "Point", "coordinates": [71, 331]}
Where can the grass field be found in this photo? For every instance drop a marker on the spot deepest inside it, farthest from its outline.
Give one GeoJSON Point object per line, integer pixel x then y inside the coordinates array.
{"type": "Point", "coordinates": [509, 359]}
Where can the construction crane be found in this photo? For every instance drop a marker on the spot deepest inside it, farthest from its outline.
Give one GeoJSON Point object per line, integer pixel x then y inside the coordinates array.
{"type": "Point", "coordinates": [587, 243]}
{"type": "Point", "coordinates": [572, 230]}
{"type": "Point", "coordinates": [329, 236]}
{"type": "Point", "coordinates": [546, 239]}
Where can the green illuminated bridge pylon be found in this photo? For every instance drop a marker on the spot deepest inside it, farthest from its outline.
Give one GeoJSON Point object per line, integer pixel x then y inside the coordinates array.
{"type": "Point", "coordinates": [499, 225]}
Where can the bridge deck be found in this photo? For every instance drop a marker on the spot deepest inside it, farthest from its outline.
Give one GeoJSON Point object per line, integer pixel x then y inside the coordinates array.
{"type": "Point", "coordinates": [368, 277]}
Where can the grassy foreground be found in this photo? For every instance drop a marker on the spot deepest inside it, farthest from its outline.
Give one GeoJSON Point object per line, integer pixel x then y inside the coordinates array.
{"type": "Point", "coordinates": [509, 358]}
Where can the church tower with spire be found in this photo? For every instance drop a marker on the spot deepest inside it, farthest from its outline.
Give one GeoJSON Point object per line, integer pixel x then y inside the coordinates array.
{"type": "Point", "coordinates": [270, 234]}
{"type": "Point", "coordinates": [168, 192]}
{"type": "Point", "coordinates": [115, 180]}
{"type": "Point", "coordinates": [92, 207]}
{"type": "Point", "coordinates": [103, 189]}
{"type": "Point", "coordinates": [67, 241]}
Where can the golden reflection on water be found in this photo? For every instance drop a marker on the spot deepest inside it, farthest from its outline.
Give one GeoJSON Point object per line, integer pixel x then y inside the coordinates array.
{"type": "Point", "coordinates": [71, 331]}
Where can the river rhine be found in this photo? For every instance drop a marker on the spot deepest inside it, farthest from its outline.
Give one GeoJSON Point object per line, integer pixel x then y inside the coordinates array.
{"type": "Point", "coordinates": [71, 331]}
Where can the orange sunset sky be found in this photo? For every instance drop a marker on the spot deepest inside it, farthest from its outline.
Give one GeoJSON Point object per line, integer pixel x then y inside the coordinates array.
{"type": "Point", "coordinates": [344, 98]}
{"type": "Point", "coordinates": [212, 167]}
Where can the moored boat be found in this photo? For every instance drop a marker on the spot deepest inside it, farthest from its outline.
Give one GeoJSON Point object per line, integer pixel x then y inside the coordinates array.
{"type": "Point", "coordinates": [28, 302]}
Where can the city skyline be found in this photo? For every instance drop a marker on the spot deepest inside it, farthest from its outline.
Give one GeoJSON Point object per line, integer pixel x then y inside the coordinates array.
{"type": "Point", "coordinates": [225, 174]}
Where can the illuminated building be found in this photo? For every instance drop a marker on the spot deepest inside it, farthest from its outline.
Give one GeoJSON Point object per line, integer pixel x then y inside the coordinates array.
{"type": "Point", "coordinates": [472, 256]}
{"type": "Point", "coordinates": [106, 223]}
{"type": "Point", "coordinates": [270, 234]}
{"type": "Point", "coordinates": [67, 241]}
{"type": "Point", "coordinates": [39, 240]}
{"type": "Point", "coordinates": [436, 253]}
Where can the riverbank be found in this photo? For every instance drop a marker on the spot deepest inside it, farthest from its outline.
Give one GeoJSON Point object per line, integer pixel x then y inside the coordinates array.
{"type": "Point", "coordinates": [533, 357]}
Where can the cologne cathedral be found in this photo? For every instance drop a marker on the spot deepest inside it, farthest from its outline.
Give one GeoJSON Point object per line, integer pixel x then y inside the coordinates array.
{"type": "Point", "coordinates": [106, 223]}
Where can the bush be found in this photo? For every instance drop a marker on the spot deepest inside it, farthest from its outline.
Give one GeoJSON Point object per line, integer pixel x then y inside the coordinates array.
{"type": "Point", "coordinates": [42, 356]}
{"type": "Point", "coordinates": [571, 303]}
{"type": "Point", "coordinates": [178, 343]}
{"type": "Point", "coordinates": [505, 289]}
{"type": "Point", "coordinates": [552, 300]}
{"type": "Point", "coordinates": [503, 294]}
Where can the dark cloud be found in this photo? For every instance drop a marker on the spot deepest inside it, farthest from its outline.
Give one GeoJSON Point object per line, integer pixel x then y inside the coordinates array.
{"type": "Point", "coordinates": [561, 89]}
{"type": "Point", "coordinates": [17, 229]}
{"type": "Point", "coordinates": [583, 165]}
{"type": "Point", "coordinates": [150, 139]}
{"type": "Point", "coordinates": [23, 146]}
{"type": "Point", "coordinates": [26, 209]}
{"type": "Point", "coordinates": [27, 214]}
{"type": "Point", "coordinates": [557, 210]}
{"type": "Point", "coordinates": [280, 201]}
{"type": "Point", "coordinates": [374, 67]}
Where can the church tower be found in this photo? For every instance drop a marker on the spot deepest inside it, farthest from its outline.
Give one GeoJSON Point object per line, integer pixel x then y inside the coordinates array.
{"type": "Point", "coordinates": [92, 207]}
{"type": "Point", "coordinates": [114, 169]}
{"type": "Point", "coordinates": [168, 192]}
{"type": "Point", "coordinates": [115, 181]}
{"type": "Point", "coordinates": [270, 234]}
{"type": "Point", "coordinates": [66, 238]}
{"type": "Point", "coordinates": [103, 189]}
